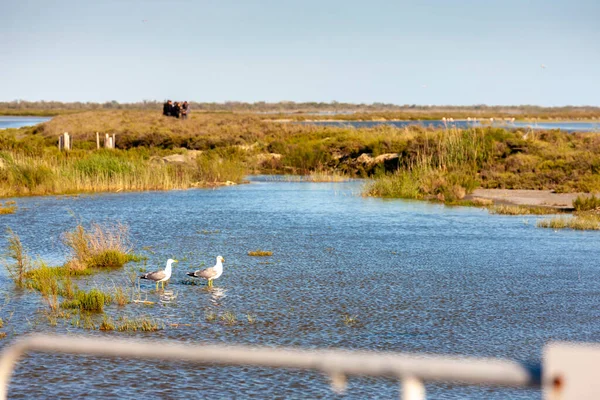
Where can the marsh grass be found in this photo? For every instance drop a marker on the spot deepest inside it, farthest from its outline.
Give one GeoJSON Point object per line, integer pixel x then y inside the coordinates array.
{"type": "Point", "coordinates": [586, 203]}
{"type": "Point", "coordinates": [7, 208]}
{"type": "Point", "coordinates": [210, 317]}
{"type": "Point", "coordinates": [251, 318]}
{"type": "Point", "coordinates": [18, 269]}
{"type": "Point", "coordinates": [437, 164]}
{"type": "Point", "coordinates": [583, 222]}
{"type": "Point", "coordinates": [260, 253]}
{"type": "Point", "coordinates": [100, 246]}
{"type": "Point", "coordinates": [229, 318]}
{"type": "Point", "coordinates": [120, 296]}
{"type": "Point", "coordinates": [504, 209]}
{"type": "Point", "coordinates": [350, 320]}
{"type": "Point", "coordinates": [49, 172]}
{"type": "Point", "coordinates": [138, 324]}
{"type": "Point", "coordinates": [107, 324]}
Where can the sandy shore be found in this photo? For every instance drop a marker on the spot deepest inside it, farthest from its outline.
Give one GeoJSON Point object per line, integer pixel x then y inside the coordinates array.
{"type": "Point", "coordinates": [544, 198]}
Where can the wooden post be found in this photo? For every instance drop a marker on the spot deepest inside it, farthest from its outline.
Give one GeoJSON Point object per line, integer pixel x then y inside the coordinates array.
{"type": "Point", "coordinates": [97, 141]}
{"type": "Point", "coordinates": [114, 142]}
{"type": "Point", "coordinates": [66, 141]}
{"type": "Point", "coordinates": [106, 144]}
{"type": "Point", "coordinates": [61, 145]}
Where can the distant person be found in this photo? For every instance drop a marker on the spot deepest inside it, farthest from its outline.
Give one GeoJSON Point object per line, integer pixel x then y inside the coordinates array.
{"type": "Point", "coordinates": [167, 108]}
{"type": "Point", "coordinates": [185, 108]}
{"type": "Point", "coordinates": [176, 110]}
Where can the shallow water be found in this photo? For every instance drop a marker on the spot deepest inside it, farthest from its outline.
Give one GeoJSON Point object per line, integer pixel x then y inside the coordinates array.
{"type": "Point", "coordinates": [417, 276]}
{"type": "Point", "coordinates": [567, 126]}
{"type": "Point", "coordinates": [20, 122]}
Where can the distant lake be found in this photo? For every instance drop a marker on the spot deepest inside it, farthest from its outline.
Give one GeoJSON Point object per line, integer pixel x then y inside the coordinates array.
{"type": "Point", "coordinates": [19, 122]}
{"type": "Point", "coordinates": [568, 126]}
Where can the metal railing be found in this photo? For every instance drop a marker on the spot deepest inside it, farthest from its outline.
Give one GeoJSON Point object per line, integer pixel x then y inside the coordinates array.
{"type": "Point", "coordinates": [411, 369]}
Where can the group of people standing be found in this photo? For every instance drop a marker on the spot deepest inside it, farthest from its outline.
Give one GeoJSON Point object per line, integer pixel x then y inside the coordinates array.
{"type": "Point", "coordinates": [177, 109]}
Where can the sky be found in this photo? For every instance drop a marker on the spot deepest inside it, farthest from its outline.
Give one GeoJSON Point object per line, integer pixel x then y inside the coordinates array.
{"type": "Point", "coordinates": [427, 52]}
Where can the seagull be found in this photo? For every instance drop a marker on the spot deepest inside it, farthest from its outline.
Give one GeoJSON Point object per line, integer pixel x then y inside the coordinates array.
{"type": "Point", "coordinates": [210, 273]}
{"type": "Point", "coordinates": [160, 276]}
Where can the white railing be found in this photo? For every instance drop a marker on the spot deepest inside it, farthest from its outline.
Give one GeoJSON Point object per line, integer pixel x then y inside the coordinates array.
{"type": "Point", "coordinates": [410, 369]}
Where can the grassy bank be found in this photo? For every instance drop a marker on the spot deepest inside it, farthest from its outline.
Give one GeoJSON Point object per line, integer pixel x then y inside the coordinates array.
{"type": "Point", "coordinates": [155, 153]}
{"type": "Point", "coordinates": [446, 165]}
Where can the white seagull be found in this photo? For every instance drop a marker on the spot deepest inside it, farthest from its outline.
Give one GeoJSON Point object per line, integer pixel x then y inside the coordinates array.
{"type": "Point", "coordinates": [211, 273]}
{"type": "Point", "coordinates": [160, 276]}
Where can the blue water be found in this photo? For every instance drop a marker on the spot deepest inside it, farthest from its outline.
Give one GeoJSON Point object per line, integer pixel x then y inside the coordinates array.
{"type": "Point", "coordinates": [568, 126]}
{"type": "Point", "coordinates": [418, 277]}
{"type": "Point", "coordinates": [20, 122]}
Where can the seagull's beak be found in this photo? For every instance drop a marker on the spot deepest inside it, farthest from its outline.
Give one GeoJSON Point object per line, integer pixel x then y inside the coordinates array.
{"type": "Point", "coordinates": [175, 260]}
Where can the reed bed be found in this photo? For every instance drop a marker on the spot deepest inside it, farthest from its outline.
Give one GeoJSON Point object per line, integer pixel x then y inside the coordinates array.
{"type": "Point", "coordinates": [581, 222]}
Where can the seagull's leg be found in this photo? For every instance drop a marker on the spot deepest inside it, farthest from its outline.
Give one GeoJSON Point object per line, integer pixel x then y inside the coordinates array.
{"type": "Point", "coordinates": [157, 286]}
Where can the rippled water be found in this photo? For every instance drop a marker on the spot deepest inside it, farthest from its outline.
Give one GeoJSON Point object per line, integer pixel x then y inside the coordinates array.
{"type": "Point", "coordinates": [417, 276]}
{"type": "Point", "coordinates": [568, 126]}
{"type": "Point", "coordinates": [19, 122]}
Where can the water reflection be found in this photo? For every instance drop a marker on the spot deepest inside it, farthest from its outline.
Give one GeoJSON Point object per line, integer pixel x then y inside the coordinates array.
{"type": "Point", "coordinates": [217, 294]}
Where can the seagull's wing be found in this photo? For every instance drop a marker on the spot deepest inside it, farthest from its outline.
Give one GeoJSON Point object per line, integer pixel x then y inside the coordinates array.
{"type": "Point", "coordinates": [155, 276]}
{"type": "Point", "coordinates": [207, 273]}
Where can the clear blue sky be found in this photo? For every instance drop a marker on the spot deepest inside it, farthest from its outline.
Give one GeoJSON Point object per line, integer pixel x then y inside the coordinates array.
{"type": "Point", "coordinates": [403, 52]}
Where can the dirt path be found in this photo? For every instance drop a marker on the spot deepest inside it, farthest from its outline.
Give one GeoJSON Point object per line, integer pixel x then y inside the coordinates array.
{"type": "Point", "coordinates": [528, 197]}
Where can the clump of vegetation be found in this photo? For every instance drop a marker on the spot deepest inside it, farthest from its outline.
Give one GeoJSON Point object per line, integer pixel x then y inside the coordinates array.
{"type": "Point", "coordinates": [229, 318]}
{"type": "Point", "coordinates": [120, 296]}
{"type": "Point", "coordinates": [260, 253]}
{"type": "Point", "coordinates": [141, 324]}
{"type": "Point", "coordinates": [22, 263]}
{"type": "Point", "coordinates": [503, 209]}
{"type": "Point", "coordinates": [583, 222]}
{"type": "Point", "coordinates": [92, 301]}
{"type": "Point", "coordinates": [350, 320]}
{"type": "Point", "coordinates": [586, 203]}
{"type": "Point", "coordinates": [8, 208]}
{"type": "Point", "coordinates": [251, 318]}
{"type": "Point", "coordinates": [107, 324]}
{"type": "Point", "coordinates": [210, 317]}
{"type": "Point", "coordinates": [99, 247]}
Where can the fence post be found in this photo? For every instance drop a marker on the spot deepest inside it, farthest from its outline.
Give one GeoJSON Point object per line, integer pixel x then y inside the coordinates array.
{"type": "Point", "coordinates": [114, 143]}
{"type": "Point", "coordinates": [67, 141]}
{"type": "Point", "coordinates": [97, 141]}
{"type": "Point", "coordinates": [60, 142]}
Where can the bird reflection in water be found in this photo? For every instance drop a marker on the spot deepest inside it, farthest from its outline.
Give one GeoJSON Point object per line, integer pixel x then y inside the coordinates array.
{"type": "Point", "coordinates": [216, 295]}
